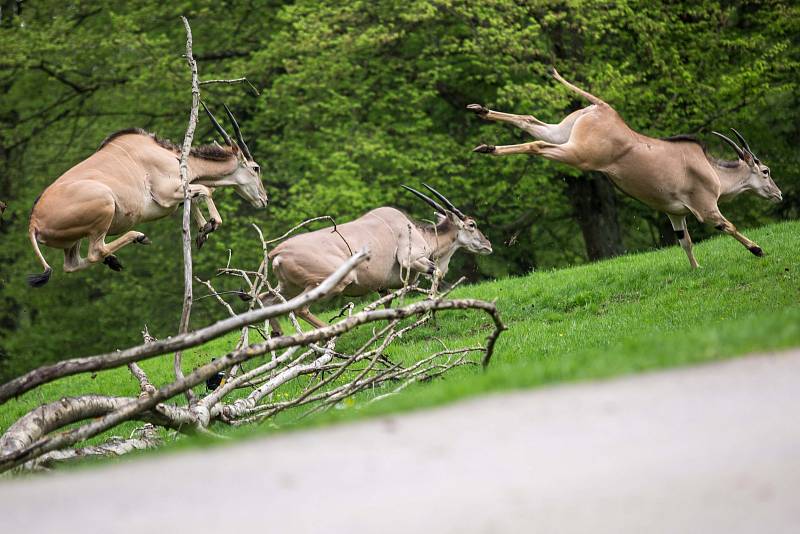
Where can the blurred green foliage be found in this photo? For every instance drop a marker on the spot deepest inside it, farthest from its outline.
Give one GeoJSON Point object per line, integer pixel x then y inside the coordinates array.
{"type": "Point", "coordinates": [357, 98]}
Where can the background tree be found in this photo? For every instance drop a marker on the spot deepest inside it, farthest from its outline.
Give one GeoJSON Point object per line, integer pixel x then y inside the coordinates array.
{"type": "Point", "coordinates": [356, 99]}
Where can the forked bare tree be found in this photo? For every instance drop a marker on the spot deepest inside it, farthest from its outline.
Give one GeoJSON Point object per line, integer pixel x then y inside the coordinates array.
{"type": "Point", "coordinates": [675, 175]}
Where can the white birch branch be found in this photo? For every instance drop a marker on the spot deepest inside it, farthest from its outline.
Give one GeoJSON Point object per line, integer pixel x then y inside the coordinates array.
{"type": "Point", "coordinates": [186, 149]}
{"type": "Point", "coordinates": [49, 373]}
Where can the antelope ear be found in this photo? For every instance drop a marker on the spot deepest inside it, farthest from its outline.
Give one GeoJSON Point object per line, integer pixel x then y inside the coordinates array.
{"type": "Point", "coordinates": [235, 148]}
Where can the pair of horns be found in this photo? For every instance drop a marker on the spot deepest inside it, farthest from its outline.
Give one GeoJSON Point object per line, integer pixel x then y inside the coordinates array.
{"type": "Point", "coordinates": [239, 138]}
{"type": "Point", "coordinates": [744, 154]}
{"type": "Point", "coordinates": [438, 207]}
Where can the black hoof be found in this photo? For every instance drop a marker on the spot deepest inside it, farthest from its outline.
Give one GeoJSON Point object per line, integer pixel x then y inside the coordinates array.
{"type": "Point", "coordinates": [38, 280]}
{"type": "Point", "coordinates": [142, 240]}
{"type": "Point", "coordinates": [243, 296]}
{"type": "Point", "coordinates": [209, 227]}
{"type": "Point", "coordinates": [484, 149]}
{"type": "Point", "coordinates": [756, 250]}
{"type": "Point", "coordinates": [478, 109]}
{"type": "Point", "coordinates": [113, 263]}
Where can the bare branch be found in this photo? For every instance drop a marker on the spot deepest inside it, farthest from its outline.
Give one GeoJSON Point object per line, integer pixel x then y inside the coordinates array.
{"type": "Point", "coordinates": [146, 438]}
{"type": "Point", "coordinates": [186, 148]}
{"type": "Point", "coordinates": [230, 82]}
{"type": "Point", "coordinates": [48, 373]}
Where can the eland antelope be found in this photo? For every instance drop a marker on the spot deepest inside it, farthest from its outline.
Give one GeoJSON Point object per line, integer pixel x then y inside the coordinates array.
{"type": "Point", "coordinates": [134, 177]}
{"type": "Point", "coordinates": [674, 175]}
{"type": "Point", "coordinates": [399, 250]}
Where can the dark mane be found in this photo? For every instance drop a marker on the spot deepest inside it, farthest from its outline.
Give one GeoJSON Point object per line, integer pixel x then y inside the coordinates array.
{"type": "Point", "coordinates": [210, 152]}
{"type": "Point", "coordinates": [730, 164]}
{"type": "Point", "coordinates": [684, 137]}
{"type": "Point", "coordinates": [441, 228]}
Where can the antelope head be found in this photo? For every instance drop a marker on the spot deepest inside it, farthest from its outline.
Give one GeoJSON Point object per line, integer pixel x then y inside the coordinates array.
{"type": "Point", "coordinates": [247, 176]}
{"type": "Point", "coordinates": [759, 179]}
{"type": "Point", "coordinates": [468, 235]}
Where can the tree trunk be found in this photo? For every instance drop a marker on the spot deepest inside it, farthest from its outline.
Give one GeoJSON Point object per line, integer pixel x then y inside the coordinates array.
{"type": "Point", "coordinates": [666, 235]}
{"type": "Point", "coordinates": [595, 209]}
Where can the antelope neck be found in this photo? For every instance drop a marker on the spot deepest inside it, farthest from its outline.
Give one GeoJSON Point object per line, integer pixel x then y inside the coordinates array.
{"type": "Point", "coordinates": [215, 172]}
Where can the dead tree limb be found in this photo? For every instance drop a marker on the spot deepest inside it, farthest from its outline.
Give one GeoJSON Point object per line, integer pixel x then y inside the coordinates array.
{"type": "Point", "coordinates": [145, 437]}
{"type": "Point", "coordinates": [202, 414]}
{"type": "Point", "coordinates": [186, 148]}
{"type": "Point", "coordinates": [49, 373]}
{"type": "Point", "coordinates": [145, 386]}
{"type": "Point", "coordinates": [47, 418]}
{"type": "Point", "coordinates": [235, 80]}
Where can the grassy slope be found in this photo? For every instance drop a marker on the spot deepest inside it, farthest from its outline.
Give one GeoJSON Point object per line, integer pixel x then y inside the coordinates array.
{"type": "Point", "coordinates": [625, 315]}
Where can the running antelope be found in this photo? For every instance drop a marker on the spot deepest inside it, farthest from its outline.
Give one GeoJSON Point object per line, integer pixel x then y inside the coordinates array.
{"type": "Point", "coordinates": [134, 177]}
{"type": "Point", "coordinates": [674, 175]}
{"type": "Point", "coordinates": [399, 250]}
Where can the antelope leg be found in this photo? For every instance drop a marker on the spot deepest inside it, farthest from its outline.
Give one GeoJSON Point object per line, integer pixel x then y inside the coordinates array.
{"type": "Point", "coordinates": [101, 251]}
{"type": "Point", "coordinates": [310, 318]}
{"type": "Point", "coordinates": [724, 225]}
{"type": "Point", "coordinates": [682, 233]}
{"type": "Point", "coordinates": [215, 220]}
{"type": "Point", "coordinates": [552, 133]}
{"type": "Point", "coordinates": [73, 261]}
{"type": "Point", "coordinates": [564, 153]}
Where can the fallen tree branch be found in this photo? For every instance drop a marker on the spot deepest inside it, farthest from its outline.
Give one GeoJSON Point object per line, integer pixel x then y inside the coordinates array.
{"type": "Point", "coordinates": [147, 438]}
{"type": "Point", "coordinates": [49, 373]}
{"type": "Point", "coordinates": [47, 418]}
{"type": "Point", "coordinates": [203, 373]}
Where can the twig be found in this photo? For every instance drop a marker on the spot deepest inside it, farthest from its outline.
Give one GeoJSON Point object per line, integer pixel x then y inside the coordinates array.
{"type": "Point", "coordinates": [301, 225]}
{"type": "Point", "coordinates": [146, 387]}
{"type": "Point", "coordinates": [236, 80]}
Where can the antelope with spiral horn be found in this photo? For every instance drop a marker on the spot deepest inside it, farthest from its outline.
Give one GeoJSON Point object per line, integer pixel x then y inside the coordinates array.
{"type": "Point", "coordinates": [133, 178]}
{"type": "Point", "coordinates": [399, 250]}
{"type": "Point", "coordinates": [674, 175]}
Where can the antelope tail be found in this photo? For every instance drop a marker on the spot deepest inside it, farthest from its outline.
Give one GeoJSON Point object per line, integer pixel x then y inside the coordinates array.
{"type": "Point", "coordinates": [38, 280]}
{"type": "Point", "coordinates": [588, 96]}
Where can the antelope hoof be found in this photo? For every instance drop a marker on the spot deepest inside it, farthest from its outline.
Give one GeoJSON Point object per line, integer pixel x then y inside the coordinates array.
{"type": "Point", "coordinates": [113, 263]}
{"type": "Point", "coordinates": [756, 250]}
{"type": "Point", "coordinates": [484, 149]}
{"type": "Point", "coordinates": [209, 227]}
{"type": "Point", "coordinates": [142, 240]}
{"type": "Point", "coordinates": [478, 109]}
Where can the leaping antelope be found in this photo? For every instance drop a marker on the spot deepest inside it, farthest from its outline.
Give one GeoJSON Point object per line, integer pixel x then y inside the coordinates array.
{"type": "Point", "coordinates": [398, 247]}
{"type": "Point", "coordinates": [674, 175]}
{"type": "Point", "coordinates": [134, 177]}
